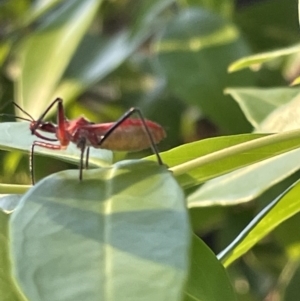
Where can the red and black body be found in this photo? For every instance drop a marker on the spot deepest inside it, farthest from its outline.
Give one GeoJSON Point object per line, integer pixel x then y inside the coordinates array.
{"type": "Point", "coordinates": [125, 134]}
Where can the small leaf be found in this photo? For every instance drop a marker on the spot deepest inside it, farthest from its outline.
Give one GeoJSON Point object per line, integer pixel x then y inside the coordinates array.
{"type": "Point", "coordinates": [255, 61]}
{"type": "Point", "coordinates": [282, 208]}
{"type": "Point", "coordinates": [284, 118]}
{"type": "Point", "coordinates": [257, 104]}
{"type": "Point", "coordinates": [122, 225]}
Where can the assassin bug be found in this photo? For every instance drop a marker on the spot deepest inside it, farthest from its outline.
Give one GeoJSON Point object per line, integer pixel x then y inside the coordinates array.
{"type": "Point", "coordinates": [125, 134]}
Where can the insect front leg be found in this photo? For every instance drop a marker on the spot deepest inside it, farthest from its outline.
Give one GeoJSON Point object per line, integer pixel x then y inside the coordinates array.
{"type": "Point", "coordinates": [31, 156]}
{"type": "Point", "coordinates": [41, 118]}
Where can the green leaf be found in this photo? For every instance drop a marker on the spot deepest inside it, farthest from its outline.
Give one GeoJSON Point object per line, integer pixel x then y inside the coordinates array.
{"type": "Point", "coordinates": [194, 52]}
{"type": "Point", "coordinates": [282, 208]}
{"type": "Point", "coordinates": [122, 225]}
{"type": "Point", "coordinates": [284, 118]}
{"type": "Point", "coordinates": [47, 52]}
{"type": "Point", "coordinates": [8, 289]}
{"type": "Point", "coordinates": [245, 184]}
{"type": "Point", "coordinates": [207, 279]}
{"type": "Point", "coordinates": [257, 104]}
{"type": "Point", "coordinates": [197, 162]}
{"type": "Point", "coordinates": [16, 135]}
{"type": "Point", "coordinates": [255, 61]}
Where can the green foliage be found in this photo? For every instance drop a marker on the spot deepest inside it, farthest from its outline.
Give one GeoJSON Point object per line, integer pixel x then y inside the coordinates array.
{"type": "Point", "coordinates": [128, 230]}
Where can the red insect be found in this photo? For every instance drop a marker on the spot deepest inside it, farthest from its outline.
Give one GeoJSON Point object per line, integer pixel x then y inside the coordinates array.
{"type": "Point", "coordinates": [125, 134]}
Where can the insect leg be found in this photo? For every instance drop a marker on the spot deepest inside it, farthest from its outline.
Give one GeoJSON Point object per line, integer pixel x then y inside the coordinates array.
{"type": "Point", "coordinates": [87, 158]}
{"type": "Point", "coordinates": [82, 145]}
{"type": "Point", "coordinates": [60, 130]}
{"type": "Point", "coordinates": [39, 121]}
{"type": "Point", "coordinates": [31, 156]}
{"type": "Point", "coordinates": [148, 133]}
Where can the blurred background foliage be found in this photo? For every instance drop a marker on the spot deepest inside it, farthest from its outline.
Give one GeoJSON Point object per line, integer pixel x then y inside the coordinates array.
{"type": "Point", "coordinates": [170, 58]}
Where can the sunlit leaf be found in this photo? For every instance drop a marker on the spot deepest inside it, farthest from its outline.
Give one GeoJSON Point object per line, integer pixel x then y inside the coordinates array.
{"type": "Point", "coordinates": [255, 61]}
{"type": "Point", "coordinates": [46, 53]}
{"type": "Point", "coordinates": [257, 103]}
{"type": "Point", "coordinates": [284, 118]}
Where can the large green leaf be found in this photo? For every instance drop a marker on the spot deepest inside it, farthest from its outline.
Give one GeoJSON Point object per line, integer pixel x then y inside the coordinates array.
{"type": "Point", "coordinates": [257, 103]}
{"type": "Point", "coordinates": [282, 208]}
{"type": "Point", "coordinates": [8, 291]}
{"type": "Point", "coordinates": [194, 52]}
{"type": "Point", "coordinates": [46, 53]}
{"type": "Point", "coordinates": [120, 234]}
{"type": "Point", "coordinates": [207, 280]}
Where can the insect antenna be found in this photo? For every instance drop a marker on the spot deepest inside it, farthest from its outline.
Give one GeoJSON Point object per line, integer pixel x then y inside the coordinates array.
{"type": "Point", "coordinates": [14, 116]}
{"type": "Point", "coordinates": [22, 110]}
